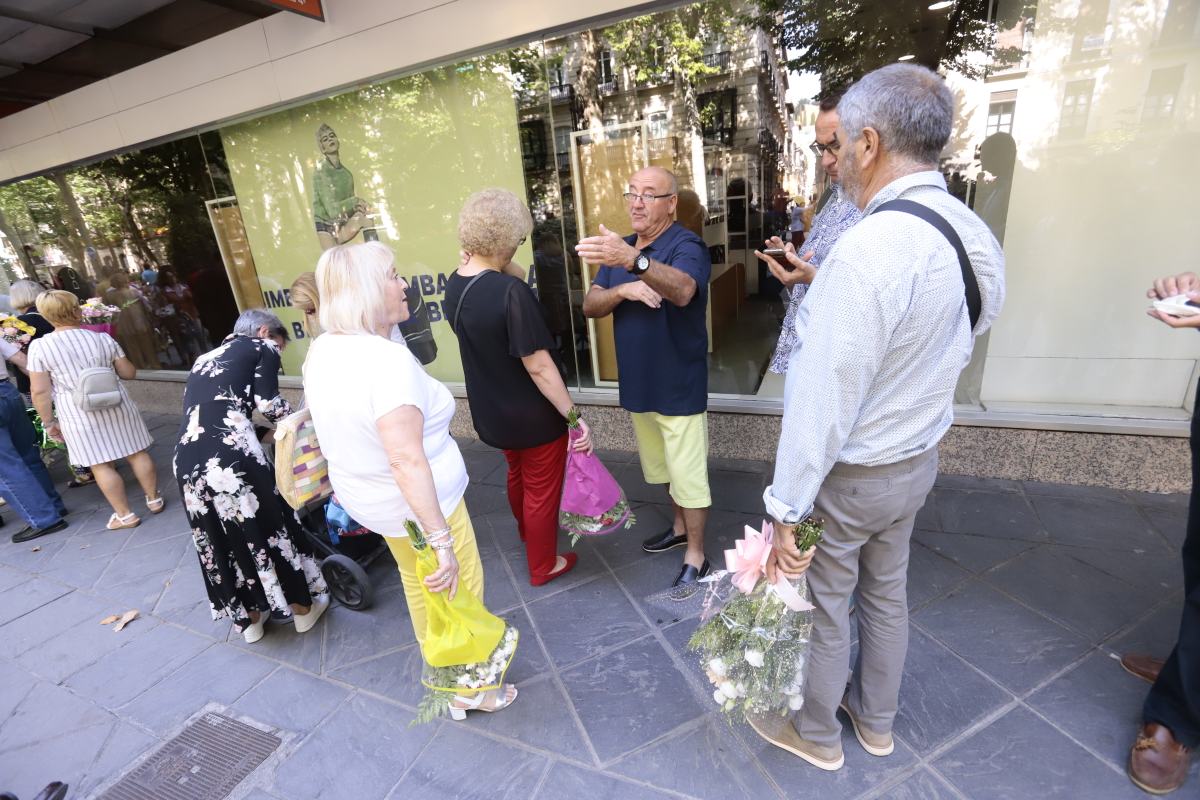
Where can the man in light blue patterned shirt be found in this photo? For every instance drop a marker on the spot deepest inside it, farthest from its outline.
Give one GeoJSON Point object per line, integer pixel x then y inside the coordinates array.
{"type": "Point", "coordinates": [835, 215]}
{"type": "Point", "coordinates": [884, 334]}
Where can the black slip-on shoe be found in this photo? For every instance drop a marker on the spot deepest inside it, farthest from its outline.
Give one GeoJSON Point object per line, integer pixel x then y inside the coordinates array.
{"type": "Point", "coordinates": [33, 533]}
{"type": "Point", "coordinates": [689, 574]}
{"type": "Point", "coordinates": [662, 542]}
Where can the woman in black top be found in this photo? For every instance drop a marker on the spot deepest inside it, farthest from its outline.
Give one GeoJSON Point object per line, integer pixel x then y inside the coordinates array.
{"type": "Point", "coordinates": [515, 388]}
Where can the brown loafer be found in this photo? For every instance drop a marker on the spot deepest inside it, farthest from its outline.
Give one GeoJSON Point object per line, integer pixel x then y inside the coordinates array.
{"type": "Point", "coordinates": [779, 731]}
{"type": "Point", "coordinates": [1141, 665]}
{"type": "Point", "coordinates": [1157, 763]}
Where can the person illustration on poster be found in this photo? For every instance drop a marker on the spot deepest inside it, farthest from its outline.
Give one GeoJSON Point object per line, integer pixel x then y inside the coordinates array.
{"type": "Point", "coordinates": [338, 213]}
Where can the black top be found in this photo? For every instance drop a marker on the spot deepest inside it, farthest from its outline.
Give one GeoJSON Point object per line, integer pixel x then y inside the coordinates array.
{"type": "Point", "coordinates": [42, 327]}
{"type": "Point", "coordinates": [502, 322]}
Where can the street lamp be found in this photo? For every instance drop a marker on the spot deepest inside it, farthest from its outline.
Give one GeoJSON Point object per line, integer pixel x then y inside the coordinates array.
{"type": "Point", "coordinates": [940, 5]}
{"type": "Point", "coordinates": [908, 57]}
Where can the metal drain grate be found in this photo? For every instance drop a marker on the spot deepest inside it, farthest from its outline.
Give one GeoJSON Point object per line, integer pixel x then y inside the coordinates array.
{"type": "Point", "coordinates": [205, 762]}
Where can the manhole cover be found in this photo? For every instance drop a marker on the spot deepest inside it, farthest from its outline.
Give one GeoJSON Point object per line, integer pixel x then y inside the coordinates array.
{"type": "Point", "coordinates": [204, 762]}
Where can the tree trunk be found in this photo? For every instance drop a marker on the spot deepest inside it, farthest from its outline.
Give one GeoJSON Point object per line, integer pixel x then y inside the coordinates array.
{"type": "Point", "coordinates": [589, 82]}
{"type": "Point", "coordinates": [17, 245]}
{"type": "Point", "coordinates": [694, 130]}
{"type": "Point", "coordinates": [124, 201]}
{"type": "Point", "coordinates": [82, 241]}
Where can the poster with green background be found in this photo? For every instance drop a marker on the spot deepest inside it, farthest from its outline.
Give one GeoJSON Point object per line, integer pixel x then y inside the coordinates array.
{"type": "Point", "coordinates": [392, 161]}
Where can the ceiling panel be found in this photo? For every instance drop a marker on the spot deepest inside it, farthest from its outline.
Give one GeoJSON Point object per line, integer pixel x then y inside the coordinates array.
{"type": "Point", "coordinates": [38, 43]}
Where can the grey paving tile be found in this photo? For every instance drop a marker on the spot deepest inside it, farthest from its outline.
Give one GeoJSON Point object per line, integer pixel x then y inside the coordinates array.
{"type": "Point", "coordinates": [1171, 524]}
{"type": "Point", "coordinates": [940, 696]}
{"type": "Point", "coordinates": [921, 785]}
{"type": "Point", "coordinates": [354, 635]}
{"type": "Point", "coordinates": [530, 660]}
{"type": "Point", "coordinates": [1155, 634]}
{"type": "Point", "coordinates": [79, 574]}
{"type": "Point", "coordinates": [974, 484]}
{"type": "Point", "coordinates": [35, 593]}
{"type": "Point", "coordinates": [124, 746]}
{"type": "Point", "coordinates": [557, 619]}
{"type": "Point", "coordinates": [494, 772]}
{"type": "Point", "coordinates": [135, 562]}
{"type": "Point", "coordinates": [1040, 488]}
{"type": "Point", "coordinates": [540, 717]}
{"type": "Point", "coordinates": [483, 498]}
{"type": "Point", "coordinates": [567, 782]}
{"type": "Point", "coordinates": [705, 761]}
{"type": "Point", "coordinates": [648, 581]}
{"type": "Point", "coordinates": [612, 694]}
{"type": "Point", "coordinates": [88, 546]}
{"type": "Point", "coordinates": [930, 575]}
{"type": "Point", "coordinates": [125, 673]}
{"type": "Point", "coordinates": [625, 546]}
{"type": "Point", "coordinates": [395, 675]}
{"type": "Point", "coordinates": [140, 593]}
{"type": "Point", "coordinates": [1020, 755]}
{"type": "Point", "coordinates": [198, 618]}
{"type": "Point", "coordinates": [15, 683]}
{"type": "Point", "coordinates": [49, 712]}
{"type": "Point", "coordinates": [291, 700]}
{"type": "Point", "coordinates": [629, 476]}
{"type": "Point", "coordinates": [1097, 703]}
{"type": "Point", "coordinates": [82, 644]}
{"type": "Point", "coordinates": [975, 553]}
{"type": "Point", "coordinates": [30, 556]}
{"type": "Point", "coordinates": [1156, 572]}
{"type": "Point", "coordinates": [1054, 581]}
{"type": "Point", "coordinates": [12, 577]}
{"type": "Point", "coordinates": [861, 773]}
{"type": "Point", "coordinates": [1092, 522]}
{"type": "Point", "coordinates": [1160, 500]}
{"type": "Point", "coordinates": [383, 747]}
{"type": "Point", "coordinates": [1012, 644]}
{"type": "Point", "coordinates": [1004, 514]}
{"type": "Point", "coordinates": [183, 588]}
{"type": "Point", "coordinates": [45, 623]}
{"type": "Point", "coordinates": [220, 674]}
{"type": "Point", "coordinates": [281, 642]}
{"type": "Point", "coordinates": [513, 550]}
{"type": "Point", "coordinates": [67, 758]}
{"type": "Point", "coordinates": [928, 518]}
{"type": "Point", "coordinates": [499, 592]}
{"type": "Point", "coordinates": [738, 491]}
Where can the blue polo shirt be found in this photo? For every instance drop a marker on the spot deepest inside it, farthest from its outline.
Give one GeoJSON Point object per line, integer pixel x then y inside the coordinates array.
{"type": "Point", "coordinates": [662, 353]}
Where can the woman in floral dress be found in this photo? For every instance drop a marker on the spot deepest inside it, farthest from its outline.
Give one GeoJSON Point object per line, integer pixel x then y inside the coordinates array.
{"type": "Point", "coordinates": [252, 549]}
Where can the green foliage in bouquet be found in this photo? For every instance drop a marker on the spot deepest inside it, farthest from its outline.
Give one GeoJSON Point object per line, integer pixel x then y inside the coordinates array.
{"type": "Point", "coordinates": [754, 648]}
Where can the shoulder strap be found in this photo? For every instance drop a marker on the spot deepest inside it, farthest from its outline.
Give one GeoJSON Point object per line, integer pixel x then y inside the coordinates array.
{"type": "Point", "coordinates": [970, 285]}
{"type": "Point", "coordinates": [463, 296]}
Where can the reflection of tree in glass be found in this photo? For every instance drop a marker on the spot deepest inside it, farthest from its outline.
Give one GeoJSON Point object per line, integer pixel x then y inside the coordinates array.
{"type": "Point", "coordinates": [841, 40]}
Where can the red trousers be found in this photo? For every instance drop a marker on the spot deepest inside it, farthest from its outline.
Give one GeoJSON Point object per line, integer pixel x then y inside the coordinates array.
{"type": "Point", "coordinates": [535, 484]}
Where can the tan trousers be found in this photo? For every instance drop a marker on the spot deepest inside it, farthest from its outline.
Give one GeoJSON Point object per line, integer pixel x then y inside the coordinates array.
{"type": "Point", "coordinates": [470, 568]}
{"type": "Point", "coordinates": [869, 514]}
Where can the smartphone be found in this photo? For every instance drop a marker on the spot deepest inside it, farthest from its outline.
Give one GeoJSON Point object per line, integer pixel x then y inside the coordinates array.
{"type": "Point", "coordinates": [777, 253]}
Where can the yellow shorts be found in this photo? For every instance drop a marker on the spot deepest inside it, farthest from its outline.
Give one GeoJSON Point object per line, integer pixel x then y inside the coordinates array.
{"type": "Point", "coordinates": [674, 450]}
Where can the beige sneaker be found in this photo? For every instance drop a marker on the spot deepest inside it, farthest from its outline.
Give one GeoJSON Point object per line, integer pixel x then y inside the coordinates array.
{"type": "Point", "coordinates": [877, 744]}
{"type": "Point", "coordinates": [779, 731]}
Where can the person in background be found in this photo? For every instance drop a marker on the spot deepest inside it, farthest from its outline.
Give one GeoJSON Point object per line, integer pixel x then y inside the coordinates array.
{"type": "Point", "coordinates": [1170, 730]}
{"type": "Point", "coordinates": [253, 552]}
{"type": "Point", "coordinates": [384, 428]}
{"type": "Point", "coordinates": [885, 333]}
{"type": "Point", "coordinates": [519, 402]}
{"type": "Point", "coordinates": [25, 485]}
{"type": "Point", "coordinates": [174, 308]}
{"type": "Point", "coordinates": [655, 284]}
{"type": "Point", "coordinates": [134, 325]}
{"type": "Point", "coordinates": [25, 294]}
{"type": "Point", "coordinates": [98, 438]}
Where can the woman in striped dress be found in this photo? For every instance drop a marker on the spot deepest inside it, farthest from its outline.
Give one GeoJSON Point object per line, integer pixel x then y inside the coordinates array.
{"type": "Point", "coordinates": [94, 439]}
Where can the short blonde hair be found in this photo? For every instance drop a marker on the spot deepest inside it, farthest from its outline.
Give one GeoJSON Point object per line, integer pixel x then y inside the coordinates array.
{"type": "Point", "coordinates": [23, 294]}
{"type": "Point", "coordinates": [60, 308]}
{"type": "Point", "coordinates": [493, 222]}
{"type": "Point", "coordinates": [350, 283]}
{"type": "Point", "coordinates": [307, 301]}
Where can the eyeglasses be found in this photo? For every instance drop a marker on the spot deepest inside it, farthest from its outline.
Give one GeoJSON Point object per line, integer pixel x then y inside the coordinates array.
{"type": "Point", "coordinates": [645, 198]}
{"type": "Point", "coordinates": [822, 149]}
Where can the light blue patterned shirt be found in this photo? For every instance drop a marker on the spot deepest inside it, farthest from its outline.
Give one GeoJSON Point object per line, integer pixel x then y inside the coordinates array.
{"type": "Point", "coordinates": [884, 335]}
{"type": "Point", "coordinates": [835, 218]}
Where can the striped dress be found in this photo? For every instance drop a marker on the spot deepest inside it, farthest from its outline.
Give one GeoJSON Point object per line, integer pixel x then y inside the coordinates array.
{"type": "Point", "coordinates": [93, 437]}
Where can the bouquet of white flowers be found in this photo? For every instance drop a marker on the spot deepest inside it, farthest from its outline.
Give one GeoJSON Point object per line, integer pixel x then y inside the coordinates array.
{"type": "Point", "coordinates": [753, 640]}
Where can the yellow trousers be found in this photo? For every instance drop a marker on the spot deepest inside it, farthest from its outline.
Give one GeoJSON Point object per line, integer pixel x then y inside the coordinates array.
{"type": "Point", "coordinates": [470, 568]}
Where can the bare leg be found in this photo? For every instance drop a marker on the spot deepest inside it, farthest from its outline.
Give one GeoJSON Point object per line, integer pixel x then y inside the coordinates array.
{"type": "Point", "coordinates": [694, 520]}
{"type": "Point", "coordinates": [143, 470]}
{"type": "Point", "coordinates": [112, 487]}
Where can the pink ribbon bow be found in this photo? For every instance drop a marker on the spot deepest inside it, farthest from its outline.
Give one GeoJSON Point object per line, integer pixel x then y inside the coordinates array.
{"type": "Point", "coordinates": [747, 561]}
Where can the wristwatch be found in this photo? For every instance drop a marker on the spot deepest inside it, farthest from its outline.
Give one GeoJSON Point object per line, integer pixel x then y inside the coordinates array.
{"type": "Point", "coordinates": [640, 264]}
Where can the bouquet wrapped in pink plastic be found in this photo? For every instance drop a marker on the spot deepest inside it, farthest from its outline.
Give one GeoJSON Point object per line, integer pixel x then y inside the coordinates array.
{"type": "Point", "coordinates": [592, 501]}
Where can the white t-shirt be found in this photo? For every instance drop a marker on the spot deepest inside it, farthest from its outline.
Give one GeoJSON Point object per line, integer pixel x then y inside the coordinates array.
{"type": "Point", "coordinates": [349, 383]}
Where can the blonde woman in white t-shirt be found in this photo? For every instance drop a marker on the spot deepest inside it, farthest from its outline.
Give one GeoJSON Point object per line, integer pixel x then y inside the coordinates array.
{"type": "Point", "coordinates": [384, 428]}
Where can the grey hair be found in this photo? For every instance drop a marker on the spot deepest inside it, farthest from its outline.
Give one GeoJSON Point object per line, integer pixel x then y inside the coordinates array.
{"type": "Point", "coordinates": [910, 106]}
{"type": "Point", "coordinates": [252, 319]}
{"type": "Point", "coordinates": [24, 293]}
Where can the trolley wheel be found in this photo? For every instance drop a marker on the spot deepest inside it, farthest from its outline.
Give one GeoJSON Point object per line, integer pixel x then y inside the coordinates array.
{"type": "Point", "coordinates": [348, 582]}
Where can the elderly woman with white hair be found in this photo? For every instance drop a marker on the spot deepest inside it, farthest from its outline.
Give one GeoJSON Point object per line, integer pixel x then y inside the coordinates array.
{"type": "Point", "coordinates": [519, 401]}
{"type": "Point", "coordinates": [384, 428]}
{"type": "Point", "coordinates": [252, 549]}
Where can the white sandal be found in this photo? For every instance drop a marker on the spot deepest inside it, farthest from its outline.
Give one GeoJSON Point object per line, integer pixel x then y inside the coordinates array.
{"type": "Point", "coordinates": [155, 506]}
{"type": "Point", "coordinates": [117, 522]}
{"type": "Point", "coordinates": [475, 702]}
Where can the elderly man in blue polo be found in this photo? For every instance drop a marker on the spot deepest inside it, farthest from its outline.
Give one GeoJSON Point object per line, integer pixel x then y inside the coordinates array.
{"type": "Point", "coordinates": [655, 284]}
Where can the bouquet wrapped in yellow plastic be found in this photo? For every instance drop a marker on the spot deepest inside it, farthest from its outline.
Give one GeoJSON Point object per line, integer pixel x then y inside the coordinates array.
{"type": "Point", "coordinates": [467, 649]}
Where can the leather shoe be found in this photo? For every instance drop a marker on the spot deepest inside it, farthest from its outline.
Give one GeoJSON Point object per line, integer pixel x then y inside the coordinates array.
{"type": "Point", "coordinates": [33, 533]}
{"type": "Point", "coordinates": [779, 731]}
{"type": "Point", "coordinates": [1143, 666]}
{"type": "Point", "coordinates": [689, 574]}
{"type": "Point", "coordinates": [1157, 763]}
{"type": "Point", "coordinates": [662, 542]}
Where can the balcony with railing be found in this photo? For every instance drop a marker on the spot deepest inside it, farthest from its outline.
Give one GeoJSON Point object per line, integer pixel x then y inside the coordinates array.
{"type": "Point", "coordinates": [719, 60]}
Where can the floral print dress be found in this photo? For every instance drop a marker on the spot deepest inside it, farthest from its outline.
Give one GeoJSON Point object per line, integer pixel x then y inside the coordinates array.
{"type": "Point", "coordinates": [252, 549]}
